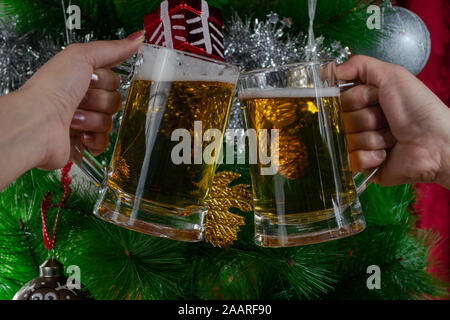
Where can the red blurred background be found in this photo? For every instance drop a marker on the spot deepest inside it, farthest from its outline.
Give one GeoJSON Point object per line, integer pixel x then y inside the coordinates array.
{"type": "Point", "coordinates": [433, 201]}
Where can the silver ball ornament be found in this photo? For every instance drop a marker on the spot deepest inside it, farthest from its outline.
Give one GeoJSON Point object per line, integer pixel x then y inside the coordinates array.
{"type": "Point", "coordinates": [405, 41]}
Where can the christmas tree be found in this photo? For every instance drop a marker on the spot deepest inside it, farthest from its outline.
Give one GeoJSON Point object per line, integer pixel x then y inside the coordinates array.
{"type": "Point", "coordinates": [116, 263]}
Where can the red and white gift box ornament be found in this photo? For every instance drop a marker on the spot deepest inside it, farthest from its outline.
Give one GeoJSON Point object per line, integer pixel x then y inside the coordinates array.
{"type": "Point", "coordinates": [188, 25]}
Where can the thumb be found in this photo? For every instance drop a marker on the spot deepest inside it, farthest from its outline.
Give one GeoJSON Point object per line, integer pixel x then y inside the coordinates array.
{"type": "Point", "coordinates": [101, 54]}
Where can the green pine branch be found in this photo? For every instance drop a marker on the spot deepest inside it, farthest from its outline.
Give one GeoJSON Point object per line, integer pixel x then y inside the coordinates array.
{"type": "Point", "coordinates": [133, 265]}
{"type": "Point", "coordinates": [391, 242]}
{"type": "Point", "coordinates": [120, 264]}
{"type": "Point", "coordinates": [342, 20]}
{"type": "Point", "coordinates": [115, 263]}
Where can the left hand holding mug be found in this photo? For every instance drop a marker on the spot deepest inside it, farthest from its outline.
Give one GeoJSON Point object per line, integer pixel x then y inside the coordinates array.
{"type": "Point", "coordinates": [76, 89]}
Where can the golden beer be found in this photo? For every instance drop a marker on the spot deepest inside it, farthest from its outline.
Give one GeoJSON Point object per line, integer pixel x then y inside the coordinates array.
{"type": "Point", "coordinates": [179, 104]}
{"type": "Point", "coordinates": [314, 180]}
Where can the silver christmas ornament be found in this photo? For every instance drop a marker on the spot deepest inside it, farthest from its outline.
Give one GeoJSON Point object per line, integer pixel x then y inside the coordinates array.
{"type": "Point", "coordinates": [405, 41]}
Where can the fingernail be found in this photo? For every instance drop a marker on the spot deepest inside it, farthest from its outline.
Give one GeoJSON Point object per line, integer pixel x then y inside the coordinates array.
{"type": "Point", "coordinates": [94, 77]}
{"type": "Point", "coordinates": [379, 154]}
{"type": "Point", "coordinates": [78, 118]}
{"type": "Point", "coordinates": [138, 36]}
{"type": "Point", "coordinates": [88, 137]}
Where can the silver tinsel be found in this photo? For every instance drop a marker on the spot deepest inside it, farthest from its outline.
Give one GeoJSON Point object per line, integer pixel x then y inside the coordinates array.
{"type": "Point", "coordinates": [21, 56]}
{"type": "Point", "coordinates": [263, 44]}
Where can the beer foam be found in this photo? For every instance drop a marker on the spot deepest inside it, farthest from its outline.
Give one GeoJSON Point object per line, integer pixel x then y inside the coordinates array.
{"type": "Point", "coordinates": [289, 93]}
{"type": "Point", "coordinates": [163, 64]}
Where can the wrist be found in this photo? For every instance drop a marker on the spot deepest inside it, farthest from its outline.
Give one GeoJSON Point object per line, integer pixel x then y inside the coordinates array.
{"type": "Point", "coordinates": [21, 137]}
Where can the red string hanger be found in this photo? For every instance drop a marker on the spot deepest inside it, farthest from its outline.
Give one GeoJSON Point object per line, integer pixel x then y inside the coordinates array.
{"type": "Point", "coordinates": [46, 205]}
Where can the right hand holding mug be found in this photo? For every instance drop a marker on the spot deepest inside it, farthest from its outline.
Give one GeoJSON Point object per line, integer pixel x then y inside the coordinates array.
{"type": "Point", "coordinates": [394, 121]}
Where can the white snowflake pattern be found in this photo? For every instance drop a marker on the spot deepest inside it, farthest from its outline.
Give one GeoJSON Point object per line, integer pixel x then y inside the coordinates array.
{"type": "Point", "coordinates": [212, 37]}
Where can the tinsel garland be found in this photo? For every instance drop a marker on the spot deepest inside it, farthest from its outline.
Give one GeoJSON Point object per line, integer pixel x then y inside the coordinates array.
{"type": "Point", "coordinates": [21, 55]}
{"type": "Point", "coordinates": [263, 44]}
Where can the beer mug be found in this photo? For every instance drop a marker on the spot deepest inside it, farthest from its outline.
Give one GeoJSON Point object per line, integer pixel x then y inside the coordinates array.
{"type": "Point", "coordinates": [143, 188]}
{"type": "Point", "coordinates": [310, 196]}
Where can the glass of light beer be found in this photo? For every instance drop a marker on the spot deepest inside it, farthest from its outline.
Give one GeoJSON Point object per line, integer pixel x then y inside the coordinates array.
{"type": "Point", "coordinates": [144, 189]}
{"type": "Point", "coordinates": [311, 196]}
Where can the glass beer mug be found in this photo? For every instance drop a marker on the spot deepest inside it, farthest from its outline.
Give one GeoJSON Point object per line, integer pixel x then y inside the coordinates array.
{"type": "Point", "coordinates": [310, 197]}
{"type": "Point", "coordinates": [143, 189]}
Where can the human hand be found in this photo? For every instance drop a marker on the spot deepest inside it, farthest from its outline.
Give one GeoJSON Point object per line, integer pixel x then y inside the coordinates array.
{"type": "Point", "coordinates": [394, 121]}
{"type": "Point", "coordinates": [76, 89]}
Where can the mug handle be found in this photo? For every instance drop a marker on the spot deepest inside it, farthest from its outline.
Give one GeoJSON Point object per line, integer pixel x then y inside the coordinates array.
{"type": "Point", "coordinates": [87, 162]}
{"type": "Point", "coordinates": [80, 156]}
{"type": "Point", "coordinates": [361, 181]}
{"type": "Point", "coordinates": [366, 180]}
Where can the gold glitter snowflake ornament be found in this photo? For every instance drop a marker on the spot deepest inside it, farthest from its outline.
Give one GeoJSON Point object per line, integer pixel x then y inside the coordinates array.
{"type": "Point", "coordinates": [222, 226]}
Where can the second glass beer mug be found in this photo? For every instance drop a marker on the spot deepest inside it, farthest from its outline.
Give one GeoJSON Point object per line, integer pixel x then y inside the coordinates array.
{"type": "Point", "coordinates": [311, 196]}
{"type": "Point", "coordinates": [144, 188]}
